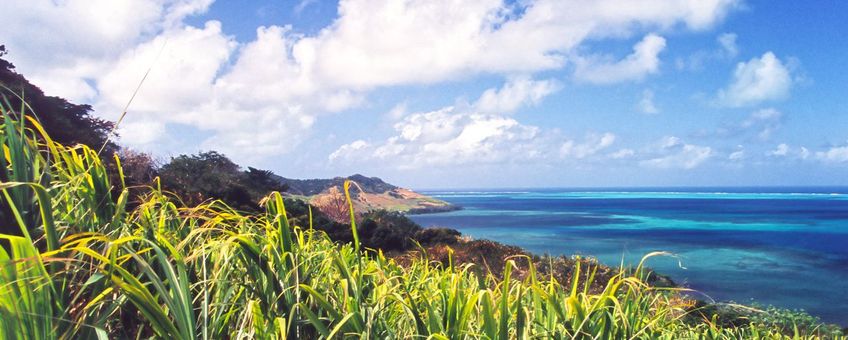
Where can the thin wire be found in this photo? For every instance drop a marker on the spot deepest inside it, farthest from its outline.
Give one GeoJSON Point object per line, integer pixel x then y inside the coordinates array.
{"type": "Point", "coordinates": [127, 107]}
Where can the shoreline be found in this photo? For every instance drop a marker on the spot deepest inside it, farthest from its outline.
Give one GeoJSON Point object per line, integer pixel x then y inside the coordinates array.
{"type": "Point", "coordinates": [491, 254]}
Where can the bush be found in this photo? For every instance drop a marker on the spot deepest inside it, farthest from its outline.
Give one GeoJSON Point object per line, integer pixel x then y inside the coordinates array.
{"type": "Point", "coordinates": [211, 175]}
{"type": "Point", "coordinates": [166, 270]}
{"type": "Point", "coordinates": [433, 236]}
{"type": "Point", "coordinates": [387, 230]}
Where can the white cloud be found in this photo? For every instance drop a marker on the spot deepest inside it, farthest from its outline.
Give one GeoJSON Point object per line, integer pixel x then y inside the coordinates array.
{"type": "Point", "coordinates": [195, 54]}
{"type": "Point", "coordinates": [142, 132]}
{"type": "Point", "coordinates": [737, 155]}
{"type": "Point", "coordinates": [348, 149]}
{"type": "Point", "coordinates": [449, 137]}
{"type": "Point", "coordinates": [781, 150]}
{"type": "Point", "coordinates": [303, 4]}
{"type": "Point", "coordinates": [646, 104]}
{"type": "Point", "coordinates": [68, 42]}
{"type": "Point", "coordinates": [726, 50]}
{"type": "Point", "coordinates": [759, 125]}
{"type": "Point", "coordinates": [758, 80]}
{"type": "Point", "coordinates": [728, 44]}
{"type": "Point", "coordinates": [397, 112]}
{"type": "Point", "coordinates": [462, 135]}
{"type": "Point", "coordinates": [248, 110]}
{"type": "Point", "coordinates": [514, 94]}
{"type": "Point", "coordinates": [784, 150]}
{"type": "Point", "coordinates": [835, 154]}
{"type": "Point", "coordinates": [764, 121]}
{"type": "Point", "coordinates": [671, 152]}
{"type": "Point", "coordinates": [804, 153]}
{"type": "Point", "coordinates": [378, 43]}
{"type": "Point", "coordinates": [260, 98]}
{"type": "Point", "coordinates": [643, 61]}
{"type": "Point", "coordinates": [623, 154]}
{"type": "Point", "coordinates": [593, 144]}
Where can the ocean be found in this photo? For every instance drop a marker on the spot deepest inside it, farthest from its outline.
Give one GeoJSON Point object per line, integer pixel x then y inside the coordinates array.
{"type": "Point", "coordinates": [786, 247]}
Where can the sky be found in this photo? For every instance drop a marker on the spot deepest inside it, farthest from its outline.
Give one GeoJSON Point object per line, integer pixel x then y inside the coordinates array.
{"type": "Point", "coordinates": [462, 94]}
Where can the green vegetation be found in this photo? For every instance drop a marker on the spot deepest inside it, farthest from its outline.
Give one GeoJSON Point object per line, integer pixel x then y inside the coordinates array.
{"type": "Point", "coordinates": [211, 175]}
{"type": "Point", "coordinates": [66, 122]}
{"type": "Point", "coordinates": [372, 194]}
{"type": "Point", "coordinates": [309, 187]}
{"type": "Point", "coordinates": [207, 176]}
{"type": "Point", "coordinates": [83, 265]}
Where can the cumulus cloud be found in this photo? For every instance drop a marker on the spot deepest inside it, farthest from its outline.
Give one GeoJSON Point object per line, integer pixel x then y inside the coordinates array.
{"type": "Point", "coordinates": [764, 122]}
{"type": "Point", "coordinates": [728, 44]}
{"type": "Point", "coordinates": [471, 134]}
{"type": "Point", "coordinates": [375, 43]}
{"type": "Point", "coordinates": [67, 43]}
{"type": "Point", "coordinates": [760, 79]}
{"type": "Point", "coordinates": [449, 137]}
{"type": "Point", "coordinates": [348, 149]}
{"type": "Point", "coordinates": [784, 150]}
{"type": "Point", "coordinates": [737, 155]}
{"type": "Point", "coordinates": [514, 94]}
{"type": "Point", "coordinates": [277, 85]}
{"type": "Point", "coordinates": [397, 112]}
{"type": "Point", "coordinates": [623, 154]}
{"type": "Point", "coordinates": [247, 110]}
{"type": "Point", "coordinates": [460, 135]}
{"type": "Point", "coordinates": [671, 152]}
{"type": "Point", "coordinates": [727, 49]}
{"type": "Point", "coordinates": [303, 4]}
{"type": "Point", "coordinates": [646, 104]}
{"type": "Point", "coordinates": [643, 61]}
{"type": "Point", "coordinates": [196, 54]}
{"type": "Point", "coordinates": [593, 144]}
{"type": "Point", "coordinates": [834, 154]}
{"type": "Point", "coordinates": [759, 125]}
{"type": "Point", "coordinates": [781, 150]}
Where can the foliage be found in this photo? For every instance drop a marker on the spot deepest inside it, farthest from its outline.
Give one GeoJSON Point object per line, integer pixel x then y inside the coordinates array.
{"type": "Point", "coordinates": [211, 175]}
{"type": "Point", "coordinates": [165, 270]}
{"type": "Point", "coordinates": [309, 187]}
{"type": "Point", "coordinates": [789, 320]}
{"type": "Point", "coordinates": [334, 205]}
{"type": "Point", "coordinates": [387, 230]}
{"type": "Point", "coordinates": [433, 236]}
{"type": "Point", "coordinates": [67, 123]}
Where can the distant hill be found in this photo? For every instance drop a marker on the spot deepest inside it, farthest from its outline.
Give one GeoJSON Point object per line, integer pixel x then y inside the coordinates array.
{"type": "Point", "coordinates": [309, 187]}
{"type": "Point", "coordinates": [368, 193]}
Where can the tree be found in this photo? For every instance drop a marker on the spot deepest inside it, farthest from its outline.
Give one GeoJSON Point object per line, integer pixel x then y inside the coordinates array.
{"type": "Point", "coordinates": [65, 122]}
{"type": "Point", "coordinates": [211, 175]}
{"type": "Point", "coordinates": [200, 177]}
{"type": "Point", "coordinates": [263, 181]}
{"type": "Point", "coordinates": [335, 207]}
{"type": "Point", "coordinates": [388, 230]}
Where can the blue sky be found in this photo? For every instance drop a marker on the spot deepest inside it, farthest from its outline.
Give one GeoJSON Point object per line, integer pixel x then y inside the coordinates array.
{"type": "Point", "coordinates": [475, 93]}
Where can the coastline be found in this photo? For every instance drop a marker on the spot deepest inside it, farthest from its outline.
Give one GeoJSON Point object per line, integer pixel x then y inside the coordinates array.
{"type": "Point", "coordinates": [787, 253]}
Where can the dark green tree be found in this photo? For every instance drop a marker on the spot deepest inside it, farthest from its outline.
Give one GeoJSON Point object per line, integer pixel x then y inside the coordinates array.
{"type": "Point", "coordinates": [65, 122]}
{"type": "Point", "coordinates": [211, 175]}
{"type": "Point", "coordinates": [196, 178]}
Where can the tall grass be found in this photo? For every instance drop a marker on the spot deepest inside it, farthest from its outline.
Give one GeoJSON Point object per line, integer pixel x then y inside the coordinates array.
{"type": "Point", "coordinates": [81, 266]}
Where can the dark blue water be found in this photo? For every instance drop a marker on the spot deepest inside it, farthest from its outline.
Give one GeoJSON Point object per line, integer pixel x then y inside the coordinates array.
{"type": "Point", "coordinates": [786, 247]}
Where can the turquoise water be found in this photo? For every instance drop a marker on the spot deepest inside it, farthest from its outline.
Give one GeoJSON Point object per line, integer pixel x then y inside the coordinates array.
{"type": "Point", "coordinates": [786, 247]}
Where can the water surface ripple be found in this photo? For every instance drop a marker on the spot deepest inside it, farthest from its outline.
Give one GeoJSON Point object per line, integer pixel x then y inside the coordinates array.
{"type": "Point", "coordinates": [786, 247]}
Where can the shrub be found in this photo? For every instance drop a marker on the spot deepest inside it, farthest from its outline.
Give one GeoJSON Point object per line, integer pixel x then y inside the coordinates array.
{"type": "Point", "coordinates": [165, 270]}
{"type": "Point", "coordinates": [432, 236]}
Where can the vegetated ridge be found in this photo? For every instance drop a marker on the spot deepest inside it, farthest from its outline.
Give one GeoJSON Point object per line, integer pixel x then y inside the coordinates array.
{"type": "Point", "coordinates": [372, 194]}
{"type": "Point", "coordinates": [224, 225]}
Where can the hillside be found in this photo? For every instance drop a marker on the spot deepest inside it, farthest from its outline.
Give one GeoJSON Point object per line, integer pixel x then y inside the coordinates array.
{"type": "Point", "coordinates": [369, 193]}
{"type": "Point", "coordinates": [165, 270]}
